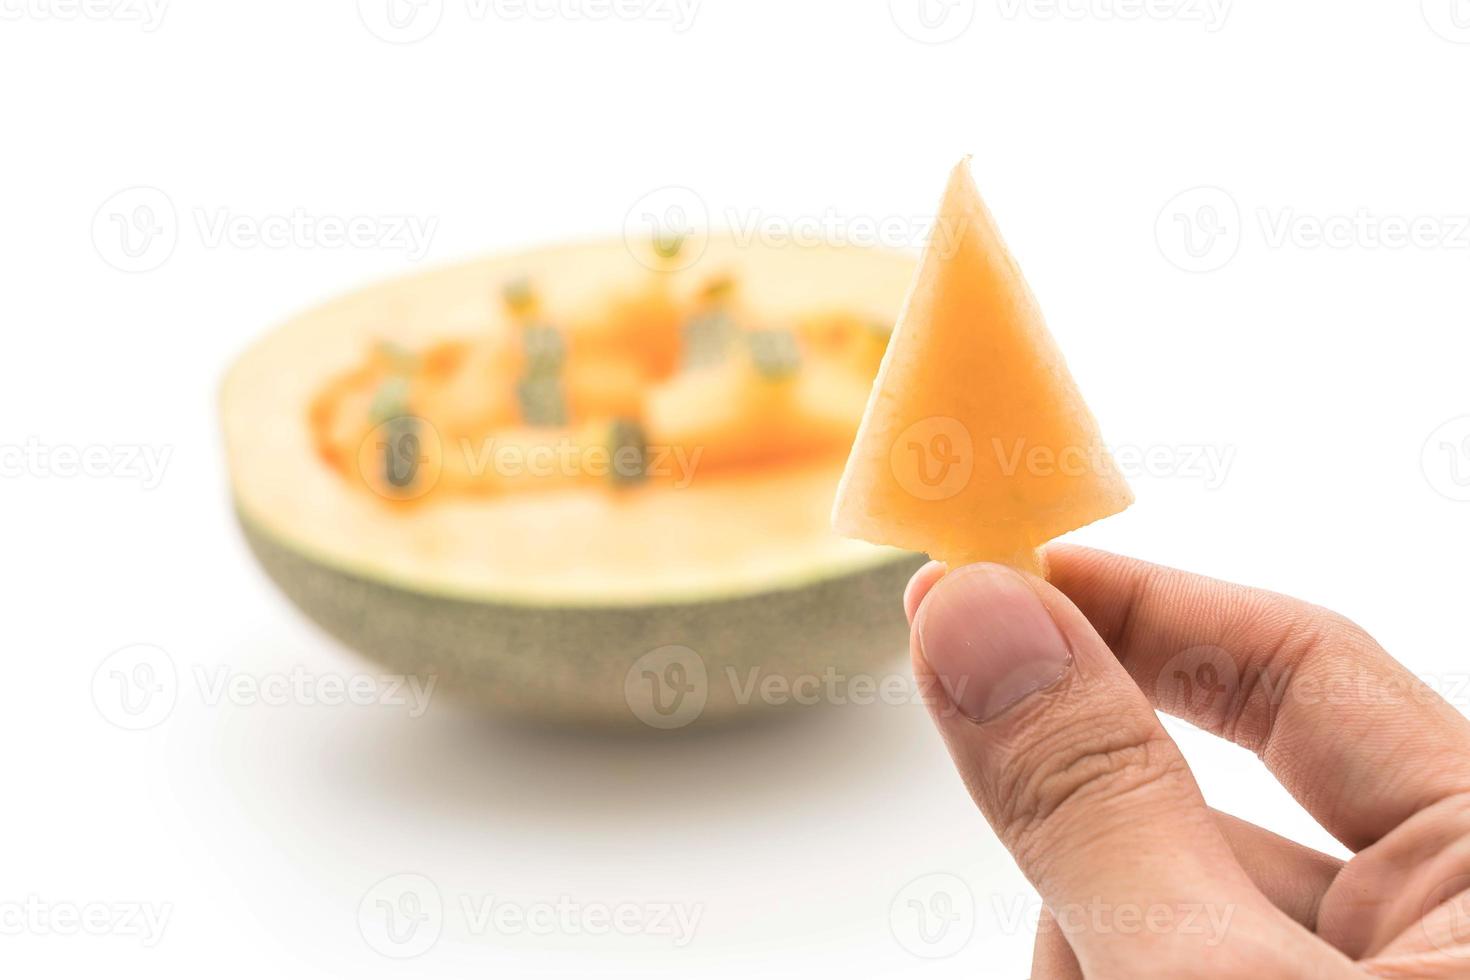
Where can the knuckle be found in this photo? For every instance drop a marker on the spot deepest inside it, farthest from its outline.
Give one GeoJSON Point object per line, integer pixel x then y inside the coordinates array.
{"type": "Point", "coordinates": [1311, 646]}
{"type": "Point", "coordinates": [1251, 713]}
{"type": "Point", "coordinates": [1306, 635]}
{"type": "Point", "coordinates": [1052, 784]}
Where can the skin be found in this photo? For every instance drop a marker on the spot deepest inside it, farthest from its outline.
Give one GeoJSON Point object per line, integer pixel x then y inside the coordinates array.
{"type": "Point", "coordinates": [1099, 809]}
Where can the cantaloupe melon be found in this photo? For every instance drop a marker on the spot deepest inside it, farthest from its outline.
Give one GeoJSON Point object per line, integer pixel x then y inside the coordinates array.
{"type": "Point", "coordinates": [976, 444]}
{"type": "Point", "coordinates": [539, 595]}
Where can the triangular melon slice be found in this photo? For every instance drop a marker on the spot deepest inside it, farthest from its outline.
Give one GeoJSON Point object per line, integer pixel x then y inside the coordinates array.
{"type": "Point", "coordinates": [976, 445]}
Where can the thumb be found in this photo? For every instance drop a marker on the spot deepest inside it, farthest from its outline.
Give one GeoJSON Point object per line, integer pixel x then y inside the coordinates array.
{"type": "Point", "coordinates": [1067, 760]}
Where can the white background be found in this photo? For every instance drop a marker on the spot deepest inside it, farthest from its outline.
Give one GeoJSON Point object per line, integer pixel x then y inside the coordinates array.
{"type": "Point", "coordinates": [1323, 371]}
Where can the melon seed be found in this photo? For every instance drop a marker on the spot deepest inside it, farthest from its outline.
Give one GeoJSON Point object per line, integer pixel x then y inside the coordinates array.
{"type": "Point", "coordinates": [707, 339]}
{"type": "Point", "coordinates": [545, 349]}
{"type": "Point", "coordinates": [519, 297]}
{"type": "Point", "coordinates": [542, 400]}
{"type": "Point", "coordinates": [629, 447]}
{"type": "Point", "coordinates": [390, 401]}
{"type": "Point", "coordinates": [775, 353]}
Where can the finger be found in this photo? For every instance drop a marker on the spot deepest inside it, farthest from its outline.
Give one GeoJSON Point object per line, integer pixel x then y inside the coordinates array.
{"type": "Point", "coordinates": [1438, 945]}
{"type": "Point", "coordinates": [1332, 715]}
{"type": "Point", "coordinates": [1070, 765]}
{"type": "Point", "coordinates": [919, 587]}
{"type": "Point", "coordinates": [1051, 957]}
{"type": "Point", "coordinates": [1292, 876]}
{"type": "Point", "coordinates": [1387, 896]}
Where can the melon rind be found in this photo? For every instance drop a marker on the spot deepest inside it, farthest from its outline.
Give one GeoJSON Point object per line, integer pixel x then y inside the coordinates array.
{"type": "Point", "coordinates": [569, 665]}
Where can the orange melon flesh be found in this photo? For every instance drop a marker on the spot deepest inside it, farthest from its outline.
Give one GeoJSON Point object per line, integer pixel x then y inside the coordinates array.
{"type": "Point", "coordinates": [976, 444]}
{"type": "Point", "coordinates": [732, 417]}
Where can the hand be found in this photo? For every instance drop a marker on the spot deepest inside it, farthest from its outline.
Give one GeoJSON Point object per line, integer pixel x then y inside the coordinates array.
{"type": "Point", "coordinates": [1042, 693]}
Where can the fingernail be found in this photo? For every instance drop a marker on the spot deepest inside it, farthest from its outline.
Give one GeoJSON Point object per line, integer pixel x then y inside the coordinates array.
{"type": "Point", "coordinates": [984, 632]}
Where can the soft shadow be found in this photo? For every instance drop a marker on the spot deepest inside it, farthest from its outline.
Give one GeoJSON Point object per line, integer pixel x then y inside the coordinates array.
{"type": "Point", "coordinates": [453, 760]}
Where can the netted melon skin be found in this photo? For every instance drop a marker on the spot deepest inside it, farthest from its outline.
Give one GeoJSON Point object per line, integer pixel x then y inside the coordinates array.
{"type": "Point", "coordinates": [569, 665]}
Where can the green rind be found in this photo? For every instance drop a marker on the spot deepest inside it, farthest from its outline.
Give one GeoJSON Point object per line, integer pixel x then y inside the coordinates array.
{"type": "Point", "coordinates": [570, 664]}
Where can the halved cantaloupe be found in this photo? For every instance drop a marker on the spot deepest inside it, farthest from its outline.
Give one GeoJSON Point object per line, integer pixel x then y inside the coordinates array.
{"type": "Point", "coordinates": [542, 602]}
{"type": "Point", "coordinates": [976, 444]}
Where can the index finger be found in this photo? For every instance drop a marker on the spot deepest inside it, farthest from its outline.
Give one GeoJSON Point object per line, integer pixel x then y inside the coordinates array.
{"type": "Point", "coordinates": [1361, 742]}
